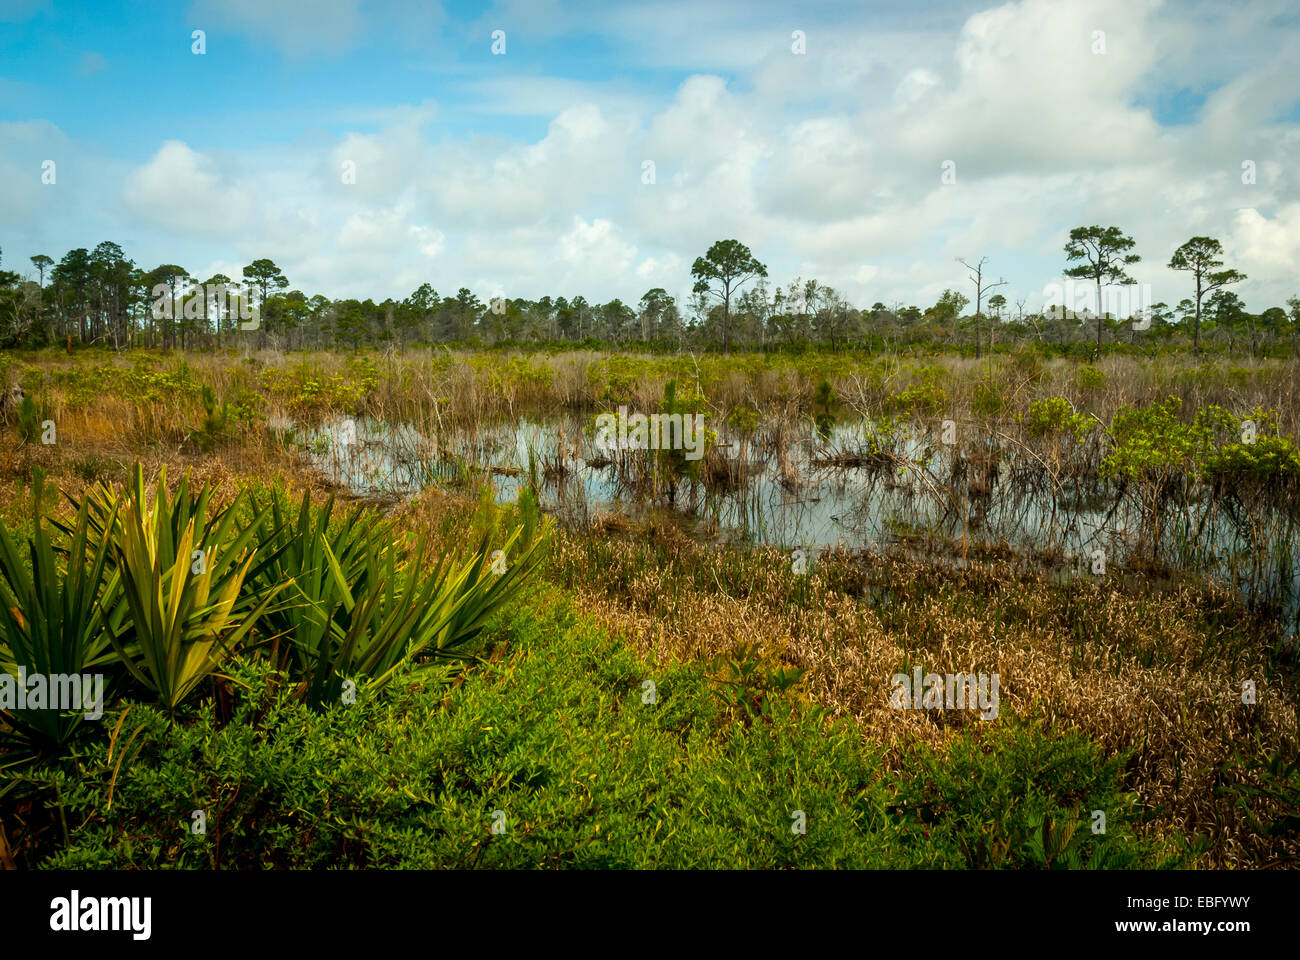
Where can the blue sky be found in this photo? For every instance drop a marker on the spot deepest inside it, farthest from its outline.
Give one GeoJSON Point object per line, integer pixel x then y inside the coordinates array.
{"type": "Point", "coordinates": [522, 173]}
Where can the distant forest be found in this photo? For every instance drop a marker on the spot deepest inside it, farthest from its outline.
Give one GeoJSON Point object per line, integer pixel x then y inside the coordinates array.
{"type": "Point", "coordinates": [99, 297]}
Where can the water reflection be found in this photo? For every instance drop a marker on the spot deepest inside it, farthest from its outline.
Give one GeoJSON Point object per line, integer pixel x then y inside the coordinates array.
{"type": "Point", "coordinates": [842, 488]}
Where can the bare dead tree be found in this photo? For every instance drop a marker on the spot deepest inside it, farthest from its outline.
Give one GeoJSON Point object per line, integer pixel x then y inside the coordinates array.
{"type": "Point", "coordinates": [977, 278]}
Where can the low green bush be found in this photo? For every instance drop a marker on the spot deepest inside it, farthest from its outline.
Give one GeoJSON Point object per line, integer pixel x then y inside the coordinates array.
{"type": "Point", "coordinates": [1021, 797]}
{"type": "Point", "coordinates": [559, 742]}
{"type": "Point", "coordinates": [1053, 416]}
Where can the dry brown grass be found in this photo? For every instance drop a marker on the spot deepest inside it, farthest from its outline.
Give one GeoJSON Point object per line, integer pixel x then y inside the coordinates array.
{"type": "Point", "coordinates": [1137, 670]}
{"type": "Point", "coordinates": [440, 388]}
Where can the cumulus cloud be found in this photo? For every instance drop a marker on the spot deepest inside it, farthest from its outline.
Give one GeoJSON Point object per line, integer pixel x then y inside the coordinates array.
{"type": "Point", "coordinates": [183, 191]}
{"type": "Point", "coordinates": [1271, 245]}
{"type": "Point", "coordinates": [827, 163]}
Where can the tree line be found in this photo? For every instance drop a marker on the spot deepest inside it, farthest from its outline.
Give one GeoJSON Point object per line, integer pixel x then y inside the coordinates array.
{"type": "Point", "coordinates": [100, 297]}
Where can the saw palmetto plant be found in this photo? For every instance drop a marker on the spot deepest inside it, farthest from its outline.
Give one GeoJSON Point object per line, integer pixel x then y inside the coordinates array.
{"type": "Point", "coordinates": [182, 570]}
{"type": "Point", "coordinates": [356, 605]}
{"type": "Point", "coordinates": [308, 621]}
{"type": "Point", "coordinates": [51, 625]}
{"type": "Point", "coordinates": [455, 600]}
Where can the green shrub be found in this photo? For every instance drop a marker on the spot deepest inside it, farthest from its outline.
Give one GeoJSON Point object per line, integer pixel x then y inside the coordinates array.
{"type": "Point", "coordinates": [926, 399]}
{"type": "Point", "coordinates": [578, 761]}
{"type": "Point", "coordinates": [1052, 416]}
{"type": "Point", "coordinates": [1261, 460]}
{"type": "Point", "coordinates": [743, 420]}
{"type": "Point", "coordinates": [1088, 377]}
{"type": "Point", "coordinates": [1019, 796]}
{"type": "Point", "coordinates": [1155, 441]}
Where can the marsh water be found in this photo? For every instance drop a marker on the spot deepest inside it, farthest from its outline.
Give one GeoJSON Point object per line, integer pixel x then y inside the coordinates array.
{"type": "Point", "coordinates": [834, 487]}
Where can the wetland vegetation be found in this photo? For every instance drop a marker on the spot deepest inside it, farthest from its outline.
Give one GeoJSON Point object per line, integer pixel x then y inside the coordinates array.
{"type": "Point", "coordinates": [408, 607]}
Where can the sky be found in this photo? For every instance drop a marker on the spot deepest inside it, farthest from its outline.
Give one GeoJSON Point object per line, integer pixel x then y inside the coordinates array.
{"type": "Point", "coordinates": [369, 146]}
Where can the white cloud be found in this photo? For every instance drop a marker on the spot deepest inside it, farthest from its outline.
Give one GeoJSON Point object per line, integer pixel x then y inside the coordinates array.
{"type": "Point", "coordinates": [826, 162]}
{"type": "Point", "coordinates": [915, 86]}
{"type": "Point", "coordinates": [1268, 249]}
{"type": "Point", "coordinates": [595, 244]}
{"type": "Point", "coordinates": [185, 192]}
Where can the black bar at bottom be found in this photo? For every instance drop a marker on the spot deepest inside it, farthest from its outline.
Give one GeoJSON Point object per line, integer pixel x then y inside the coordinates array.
{"type": "Point", "coordinates": [333, 909]}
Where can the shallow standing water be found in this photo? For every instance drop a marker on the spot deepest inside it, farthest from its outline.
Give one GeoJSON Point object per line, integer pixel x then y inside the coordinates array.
{"type": "Point", "coordinates": [794, 495]}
